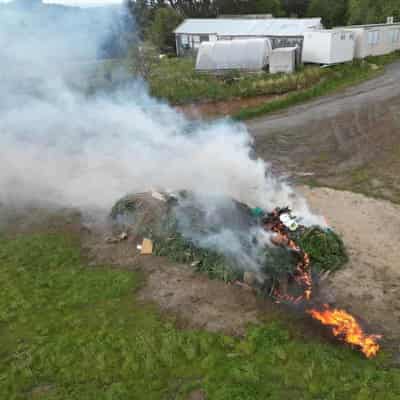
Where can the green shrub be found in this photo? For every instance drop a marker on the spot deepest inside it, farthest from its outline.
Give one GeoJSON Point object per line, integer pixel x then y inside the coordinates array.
{"type": "Point", "coordinates": [324, 247]}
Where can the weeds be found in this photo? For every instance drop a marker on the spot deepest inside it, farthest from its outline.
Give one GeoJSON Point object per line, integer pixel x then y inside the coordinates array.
{"type": "Point", "coordinates": [178, 249]}
{"type": "Point", "coordinates": [177, 81]}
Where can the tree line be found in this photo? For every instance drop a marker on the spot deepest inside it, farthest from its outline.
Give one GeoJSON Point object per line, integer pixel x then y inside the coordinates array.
{"type": "Point", "coordinates": [156, 19]}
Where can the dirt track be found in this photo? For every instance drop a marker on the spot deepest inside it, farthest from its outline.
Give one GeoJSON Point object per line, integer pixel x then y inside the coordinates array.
{"type": "Point", "coordinates": [378, 90]}
{"type": "Point", "coordinates": [350, 140]}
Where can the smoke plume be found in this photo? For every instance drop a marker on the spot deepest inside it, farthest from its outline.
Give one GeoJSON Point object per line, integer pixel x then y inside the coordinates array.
{"type": "Point", "coordinates": [60, 146]}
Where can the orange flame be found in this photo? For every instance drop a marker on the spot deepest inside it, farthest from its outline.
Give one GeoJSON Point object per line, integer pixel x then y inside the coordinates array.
{"type": "Point", "coordinates": [345, 326]}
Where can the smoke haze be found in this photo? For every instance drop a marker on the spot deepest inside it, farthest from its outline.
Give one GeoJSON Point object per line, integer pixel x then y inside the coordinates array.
{"type": "Point", "coordinates": [59, 146]}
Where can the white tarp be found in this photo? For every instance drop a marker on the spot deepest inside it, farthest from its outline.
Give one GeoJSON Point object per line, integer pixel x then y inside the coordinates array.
{"type": "Point", "coordinates": [283, 60]}
{"type": "Point", "coordinates": [246, 54]}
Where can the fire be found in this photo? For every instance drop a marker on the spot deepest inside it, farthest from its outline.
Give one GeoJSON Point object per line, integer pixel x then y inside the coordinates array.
{"type": "Point", "coordinates": [302, 274]}
{"type": "Point", "coordinates": [346, 327]}
{"type": "Point", "coordinates": [342, 323]}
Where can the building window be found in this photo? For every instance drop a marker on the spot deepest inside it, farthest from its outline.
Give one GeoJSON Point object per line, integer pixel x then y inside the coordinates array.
{"type": "Point", "coordinates": [342, 36]}
{"type": "Point", "coordinates": [204, 38]}
{"type": "Point", "coordinates": [373, 37]}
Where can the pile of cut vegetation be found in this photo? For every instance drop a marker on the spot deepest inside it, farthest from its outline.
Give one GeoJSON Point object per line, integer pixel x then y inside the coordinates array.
{"type": "Point", "coordinates": [222, 237]}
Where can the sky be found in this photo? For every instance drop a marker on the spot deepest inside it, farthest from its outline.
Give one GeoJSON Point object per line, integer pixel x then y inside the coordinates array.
{"type": "Point", "coordinates": [77, 2]}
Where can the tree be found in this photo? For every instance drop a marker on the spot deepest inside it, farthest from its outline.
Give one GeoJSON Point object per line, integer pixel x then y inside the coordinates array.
{"type": "Point", "coordinates": [332, 13]}
{"type": "Point", "coordinates": [273, 7]}
{"type": "Point", "coordinates": [142, 58]}
{"type": "Point", "coordinates": [160, 31]}
{"type": "Point", "coordinates": [296, 8]}
{"type": "Point", "coordinates": [193, 8]}
{"type": "Point", "coordinates": [371, 11]}
{"type": "Point", "coordinates": [141, 12]}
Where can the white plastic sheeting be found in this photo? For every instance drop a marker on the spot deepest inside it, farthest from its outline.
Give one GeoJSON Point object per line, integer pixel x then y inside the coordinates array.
{"type": "Point", "coordinates": [248, 27]}
{"type": "Point", "coordinates": [246, 54]}
{"type": "Point", "coordinates": [283, 60]}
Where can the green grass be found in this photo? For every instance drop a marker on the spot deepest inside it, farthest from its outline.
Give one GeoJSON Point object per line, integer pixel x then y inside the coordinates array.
{"type": "Point", "coordinates": [340, 76]}
{"type": "Point", "coordinates": [177, 81]}
{"type": "Point", "coordinates": [71, 332]}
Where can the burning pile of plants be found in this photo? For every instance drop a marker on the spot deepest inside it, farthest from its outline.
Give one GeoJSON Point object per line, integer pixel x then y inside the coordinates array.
{"type": "Point", "coordinates": [177, 223]}
{"type": "Point", "coordinates": [227, 240]}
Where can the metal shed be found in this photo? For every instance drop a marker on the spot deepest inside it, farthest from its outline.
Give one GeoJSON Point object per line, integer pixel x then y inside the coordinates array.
{"type": "Point", "coordinates": [243, 55]}
{"type": "Point", "coordinates": [328, 46]}
{"type": "Point", "coordinates": [283, 32]}
{"type": "Point", "coordinates": [375, 40]}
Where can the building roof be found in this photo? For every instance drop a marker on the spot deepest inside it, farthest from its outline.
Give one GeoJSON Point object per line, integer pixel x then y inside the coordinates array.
{"type": "Point", "coordinates": [369, 26]}
{"type": "Point", "coordinates": [248, 27]}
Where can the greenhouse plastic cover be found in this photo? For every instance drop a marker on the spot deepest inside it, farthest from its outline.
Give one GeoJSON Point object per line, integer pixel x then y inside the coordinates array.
{"type": "Point", "coordinates": [246, 54]}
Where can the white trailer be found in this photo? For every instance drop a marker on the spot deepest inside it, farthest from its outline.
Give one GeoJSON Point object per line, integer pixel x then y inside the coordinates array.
{"type": "Point", "coordinates": [329, 46]}
{"type": "Point", "coordinates": [376, 40]}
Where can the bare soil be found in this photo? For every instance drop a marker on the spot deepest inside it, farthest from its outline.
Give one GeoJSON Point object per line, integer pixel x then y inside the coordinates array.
{"type": "Point", "coordinates": [215, 109]}
{"type": "Point", "coordinates": [369, 285]}
{"type": "Point", "coordinates": [198, 302]}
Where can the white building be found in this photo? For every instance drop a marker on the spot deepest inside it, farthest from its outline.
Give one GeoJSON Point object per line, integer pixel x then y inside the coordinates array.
{"type": "Point", "coordinates": [282, 32]}
{"type": "Point", "coordinates": [376, 40]}
{"type": "Point", "coordinates": [329, 46]}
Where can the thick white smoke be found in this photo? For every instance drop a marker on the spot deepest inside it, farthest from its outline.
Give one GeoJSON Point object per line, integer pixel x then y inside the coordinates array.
{"type": "Point", "coordinates": [60, 146]}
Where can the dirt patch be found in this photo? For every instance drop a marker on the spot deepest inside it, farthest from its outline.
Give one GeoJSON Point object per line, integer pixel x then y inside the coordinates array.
{"type": "Point", "coordinates": [199, 302]}
{"type": "Point", "coordinates": [194, 299]}
{"type": "Point", "coordinates": [197, 395]}
{"type": "Point", "coordinates": [369, 285]}
{"type": "Point", "coordinates": [223, 108]}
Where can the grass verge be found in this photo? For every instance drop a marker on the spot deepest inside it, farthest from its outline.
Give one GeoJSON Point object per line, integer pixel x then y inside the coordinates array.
{"type": "Point", "coordinates": [341, 76]}
{"type": "Point", "coordinates": [70, 332]}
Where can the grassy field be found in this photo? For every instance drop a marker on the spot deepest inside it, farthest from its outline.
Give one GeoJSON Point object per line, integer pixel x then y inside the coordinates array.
{"type": "Point", "coordinates": [72, 332]}
{"type": "Point", "coordinates": [177, 81]}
